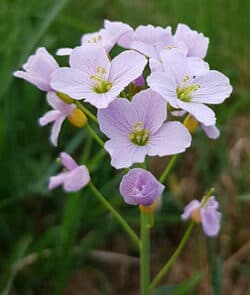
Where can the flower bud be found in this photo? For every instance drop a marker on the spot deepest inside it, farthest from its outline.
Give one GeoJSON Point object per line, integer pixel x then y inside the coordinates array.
{"type": "Point", "coordinates": [77, 118]}
{"type": "Point", "coordinates": [64, 97]}
{"type": "Point", "coordinates": [140, 187]}
{"type": "Point", "coordinates": [191, 123]}
{"type": "Point", "coordinates": [139, 82]}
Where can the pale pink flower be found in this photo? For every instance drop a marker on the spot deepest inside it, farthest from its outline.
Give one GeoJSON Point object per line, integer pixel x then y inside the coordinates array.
{"type": "Point", "coordinates": [38, 69]}
{"type": "Point", "coordinates": [106, 38]}
{"type": "Point", "coordinates": [196, 43]}
{"type": "Point", "coordinates": [60, 112]}
{"type": "Point", "coordinates": [182, 89]}
{"type": "Point", "coordinates": [140, 187]}
{"type": "Point", "coordinates": [74, 178]}
{"type": "Point", "coordinates": [206, 214]}
{"type": "Point", "coordinates": [137, 129]}
{"type": "Point", "coordinates": [96, 79]}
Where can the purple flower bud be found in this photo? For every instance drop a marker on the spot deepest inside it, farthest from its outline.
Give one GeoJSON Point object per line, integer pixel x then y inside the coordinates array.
{"type": "Point", "coordinates": [206, 214]}
{"type": "Point", "coordinates": [139, 82]}
{"type": "Point", "coordinates": [140, 187]}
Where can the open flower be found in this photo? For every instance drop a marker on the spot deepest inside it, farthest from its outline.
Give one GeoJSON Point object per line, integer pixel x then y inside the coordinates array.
{"type": "Point", "coordinates": [140, 187]}
{"type": "Point", "coordinates": [145, 38]}
{"type": "Point", "coordinates": [155, 41]}
{"type": "Point", "coordinates": [183, 90]}
{"type": "Point", "coordinates": [205, 213]}
{"type": "Point", "coordinates": [94, 78]}
{"type": "Point", "coordinates": [73, 179]}
{"type": "Point", "coordinates": [60, 112]}
{"type": "Point", "coordinates": [136, 129]}
{"type": "Point", "coordinates": [106, 37]}
{"type": "Point", "coordinates": [38, 69]}
{"type": "Point", "coordinates": [195, 42]}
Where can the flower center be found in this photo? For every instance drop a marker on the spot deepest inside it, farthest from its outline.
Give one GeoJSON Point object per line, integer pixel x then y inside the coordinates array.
{"type": "Point", "coordinates": [101, 85]}
{"type": "Point", "coordinates": [95, 39]}
{"type": "Point", "coordinates": [139, 135]}
{"type": "Point", "coordinates": [184, 92]}
{"type": "Point", "coordinates": [169, 47]}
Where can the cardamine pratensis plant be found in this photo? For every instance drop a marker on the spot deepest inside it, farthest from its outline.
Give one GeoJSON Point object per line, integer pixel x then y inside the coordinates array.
{"type": "Point", "coordinates": [132, 111]}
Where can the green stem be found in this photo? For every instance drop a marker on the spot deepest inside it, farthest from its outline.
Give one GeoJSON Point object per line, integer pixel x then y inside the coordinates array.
{"type": "Point", "coordinates": [172, 259]}
{"type": "Point", "coordinates": [144, 254]}
{"type": "Point", "coordinates": [115, 214]}
{"type": "Point", "coordinates": [168, 168]}
{"type": "Point", "coordinates": [95, 135]}
{"type": "Point", "coordinates": [86, 111]}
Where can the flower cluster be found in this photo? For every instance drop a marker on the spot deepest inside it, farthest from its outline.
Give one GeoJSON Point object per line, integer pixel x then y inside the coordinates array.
{"type": "Point", "coordinates": [158, 76]}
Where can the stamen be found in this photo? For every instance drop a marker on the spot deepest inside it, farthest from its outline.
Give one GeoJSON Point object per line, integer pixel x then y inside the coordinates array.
{"type": "Point", "coordinates": [170, 47]}
{"type": "Point", "coordinates": [95, 39]}
{"type": "Point", "coordinates": [139, 135]}
{"type": "Point", "coordinates": [183, 91]}
{"type": "Point", "coordinates": [101, 84]}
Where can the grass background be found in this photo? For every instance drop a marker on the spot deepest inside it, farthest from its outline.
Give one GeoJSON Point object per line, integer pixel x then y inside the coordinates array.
{"type": "Point", "coordinates": [65, 230]}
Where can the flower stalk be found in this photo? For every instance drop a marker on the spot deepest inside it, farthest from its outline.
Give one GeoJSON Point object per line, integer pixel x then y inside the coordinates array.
{"type": "Point", "coordinates": [173, 258]}
{"type": "Point", "coordinates": [115, 214]}
{"type": "Point", "coordinates": [144, 253]}
{"type": "Point", "coordinates": [86, 111]}
{"type": "Point", "coordinates": [92, 132]}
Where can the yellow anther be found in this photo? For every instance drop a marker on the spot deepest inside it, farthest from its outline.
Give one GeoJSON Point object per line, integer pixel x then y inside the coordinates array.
{"type": "Point", "coordinates": [138, 126]}
{"type": "Point", "coordinates": [95, 39]}
{"type": "Point", "coordinates": [139, 134]}
{"type": "Point", "coordinates": [170, 47]}
{"type": "Point", "coordinates": [191, 123]}
{"type": "Point", "coordinates": [77, 118]}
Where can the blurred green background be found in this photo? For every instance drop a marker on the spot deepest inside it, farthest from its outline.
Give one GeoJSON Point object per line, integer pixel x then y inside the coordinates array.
{"type": "Point", "coordinates": [52, 243]}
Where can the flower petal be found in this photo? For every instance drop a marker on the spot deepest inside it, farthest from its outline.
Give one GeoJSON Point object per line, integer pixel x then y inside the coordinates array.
{"type": "Point", "coordinates": [172, 138]}
{"type": "Point", "coordinates": [56, 129]}
{"type": "Point", "coordinates": [67, 161]}
{"type": "Point", "coordinates": [113, 121]}
{"type": "Point", "coordinates": [214, 88]}
{"type": "Point", "coordinates": [88, 58]}
{"type": "Point", "coordinates": [123, 72]}
{"type": "Point", "coordinates": [210, 219]}
{"type": "Point", "coordinates": [198, 65]}
{"type": "Point", "coordinates": [145, 48]}
{"type": "Point", "coordinates": [139, 186]}
{"type": "Point", "coordinates": [200, 111]}
{"type": "Point", "coordinates": [58, 104]}
{"type": "Point", "coordinates": [49, 117]}
{"type": "Point", "coordinates": [72, 82]}
{"type": "Point", "coordinates": [101, 100]}
{"type": "Point", "coordinates": [165, 85]}
{"type": "Point", "coordinates": [116, 30]}
{"type": "Point", "coordinates": [64, 51]}
{"type": "Point", "coordinates": [211, 131]}
{"type": "Point", "coordinates": [148, 107]}
{"type": "Point", "coordinates": [123, 153]}
{"type": "Point", "coordinates": [41, 82]}
{"type": "Point", "coordinates": [188, 210]}
{"type": "Point", "coordinates": [39, 68]}
{"type": "Point", "coordinates": [76, 179]}
{"type": "Point", "coordinates": [55, 181]}
{"type": "Point", "coordinates": [196, 42]}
